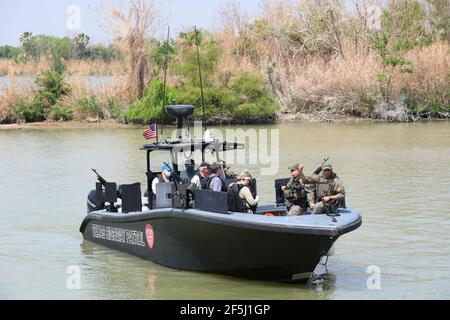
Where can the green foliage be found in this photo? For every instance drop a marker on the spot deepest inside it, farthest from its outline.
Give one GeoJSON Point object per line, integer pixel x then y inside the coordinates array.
{"type": "Point", "coordinates": [187, 67]}
{"type": "Point", "coordinates": [246, 97]}
{"type": "Point", "coordinates": [114, 107]}
{"type": "Point", "coordinates": [81, 43]}
{"type": "Point", "coordinates": [404, 21]}
{"type": "Point", "coordinates": [99, 52]}
{"type": "Point", "coordinates": [58, 50]}
{"type": "Point", "coordinates": [160, 51]}
{"type": "Point", "coordinates": [149, 108]}
{"type": "Point", "coordinates": [28, 111]}
{"type": "Point", "coordinates": [9, 52]}
{"type": "Point", "coordinates": [87, 106]}
{"type": "Point", "coordinates": [59, 113]}
{"type": "Point", "coordinates": [50, 87]}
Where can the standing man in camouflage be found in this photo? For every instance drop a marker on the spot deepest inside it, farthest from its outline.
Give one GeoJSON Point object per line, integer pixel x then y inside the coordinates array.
{"type": "Point", "coordinates": [329, 190]}
{"type": "Point", "coordinates": [296, 193]}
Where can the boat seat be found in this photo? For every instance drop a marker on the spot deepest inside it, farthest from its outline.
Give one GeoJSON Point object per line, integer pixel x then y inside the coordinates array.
{"type": "Point", "coordinates": [189, 173]}
{"type": "Point", "coordinates": [279, 195]}
{"type": "Point", "coordinates": [206, 200]}
{"type": "Point", "coordinates": [110, 192]}
{"type": "Point", "coordinates": [131, 198]}
{"type": "Point", "coordinates": [163, 192]}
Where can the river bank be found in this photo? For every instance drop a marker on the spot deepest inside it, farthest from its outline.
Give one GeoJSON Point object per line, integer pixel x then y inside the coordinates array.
{"type": "Point", "coordinates": [113, 124]}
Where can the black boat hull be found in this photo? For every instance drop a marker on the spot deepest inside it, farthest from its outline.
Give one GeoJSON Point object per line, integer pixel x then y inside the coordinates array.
{"type": "Point", "coordinates": [189, 242]}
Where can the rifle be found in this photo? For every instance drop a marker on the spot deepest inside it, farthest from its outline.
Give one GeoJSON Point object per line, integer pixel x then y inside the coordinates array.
{"type": "Point", "coordinates": [319, 170]}
{"type": "Point", "coordinates": [100, 178]}
{"type": "Point", "coordinates": [104, 182]}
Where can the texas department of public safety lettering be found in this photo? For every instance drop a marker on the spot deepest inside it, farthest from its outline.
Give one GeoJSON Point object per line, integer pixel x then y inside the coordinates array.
{"type": "Point", "coordinates": [119, 235]}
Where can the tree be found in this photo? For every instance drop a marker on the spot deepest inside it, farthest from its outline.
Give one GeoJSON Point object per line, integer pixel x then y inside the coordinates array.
{"type": "Point", "coordinates": [29, 45]}
{"type": "Point", "coordinates": [81, 45]}
{"type": "Point", "coordinates": [135, 24]}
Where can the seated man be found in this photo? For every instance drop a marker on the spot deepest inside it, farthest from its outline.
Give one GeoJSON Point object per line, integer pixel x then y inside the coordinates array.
{"type": "Point", "coordinates": [329, 189]}
{"type": "Point", "coordinates": [296, 193]}
{"type": "Point", "coordinates": [203, 173]}
{"type": "Point", "coordinates": [165, 176]}
{"type": "Point", "coordinates": [214, 182]}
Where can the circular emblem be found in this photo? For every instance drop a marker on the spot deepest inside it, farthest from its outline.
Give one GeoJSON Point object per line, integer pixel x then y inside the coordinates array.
{"type": "Point", "coordinates": [150, 235]}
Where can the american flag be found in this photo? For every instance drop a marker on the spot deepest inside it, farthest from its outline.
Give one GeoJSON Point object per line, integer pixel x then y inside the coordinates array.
{"type": "Point", "coordinates": [151, 133]}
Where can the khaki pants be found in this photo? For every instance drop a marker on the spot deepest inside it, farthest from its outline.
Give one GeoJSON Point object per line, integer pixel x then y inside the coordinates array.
{"type": "Point", "coordinates": [320, 208]}
{"type": "Point", "coordinates": [295, 210]}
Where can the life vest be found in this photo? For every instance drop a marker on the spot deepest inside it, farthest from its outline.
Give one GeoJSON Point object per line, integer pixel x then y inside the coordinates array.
{"type": "Point", "coordinates": [206, 183]}
{"type": "Point", "coordinates": [235, 202]}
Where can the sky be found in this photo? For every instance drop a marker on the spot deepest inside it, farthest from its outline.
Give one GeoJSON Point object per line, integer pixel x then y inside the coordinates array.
{"type": "Point", "coordinates": [58, 17]}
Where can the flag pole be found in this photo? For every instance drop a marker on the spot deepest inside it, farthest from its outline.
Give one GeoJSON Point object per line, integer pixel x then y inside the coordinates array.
{"type": "Point", "coordinates": [200, 75]}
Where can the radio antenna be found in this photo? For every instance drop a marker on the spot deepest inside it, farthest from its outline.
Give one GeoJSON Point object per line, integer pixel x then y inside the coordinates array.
{"type": "Point", "coordinates": [200, 74]}
{"type": "Point", "coordinates": [165, 80]}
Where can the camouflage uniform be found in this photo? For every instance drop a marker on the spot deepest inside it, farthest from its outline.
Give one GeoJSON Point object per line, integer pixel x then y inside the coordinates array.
{"type": "Point", "coordinates": [296, 195]}
{"type": "Point", "coordinates": [331, 186]}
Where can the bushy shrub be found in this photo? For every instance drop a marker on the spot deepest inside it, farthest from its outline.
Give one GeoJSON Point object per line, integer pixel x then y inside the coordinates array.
{"type": "Point", "coordinates": [50, 87]}
{"type": "Point", "coordinates": [246, 97]}
{"type": "Point", "coordinates": [86, 106]}
{"type": "Point", "coordinates": [28, 111]}
{"type": "Point", "coordinates": [58, 113]}
{"type": "Point", "coordinates": [149, 108]}
{"type": "Point", "coordinates": [114, 107]}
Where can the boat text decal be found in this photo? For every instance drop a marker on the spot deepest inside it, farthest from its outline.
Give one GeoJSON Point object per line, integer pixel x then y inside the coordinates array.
{"type": "Point", "coordinates": [120, 235]}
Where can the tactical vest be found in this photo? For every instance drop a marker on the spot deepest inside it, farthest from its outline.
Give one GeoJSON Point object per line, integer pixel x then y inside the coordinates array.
{"type": "Point", "coordinates": [201, 179]}
{"type": "Point", "coordinates": [323, 188]}
{"type": "Point", "coordinates": [235, 202]}
{"type": "Point", "coordinates": [206, 183]}
{"type": "Point", "coordinates": [295, 191]}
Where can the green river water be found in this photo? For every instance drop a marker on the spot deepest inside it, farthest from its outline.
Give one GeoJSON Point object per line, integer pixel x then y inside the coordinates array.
{"type": "Point", "coordinates": [396, 175]}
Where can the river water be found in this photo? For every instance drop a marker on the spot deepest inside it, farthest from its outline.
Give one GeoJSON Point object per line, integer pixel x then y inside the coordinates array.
{"type": "Point", "coordinates": [396, 175]}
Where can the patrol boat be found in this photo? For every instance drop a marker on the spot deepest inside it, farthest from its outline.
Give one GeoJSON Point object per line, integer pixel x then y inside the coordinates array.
{"type": "Point", "coordinates": [193, 230]}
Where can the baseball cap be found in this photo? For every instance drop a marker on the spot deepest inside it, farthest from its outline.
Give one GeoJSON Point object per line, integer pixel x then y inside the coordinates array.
{"type": "Point", "coordinates": [326, 166]}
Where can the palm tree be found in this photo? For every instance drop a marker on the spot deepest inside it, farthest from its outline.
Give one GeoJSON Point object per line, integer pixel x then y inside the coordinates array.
{"type": "Point", "coordinates": [25, 37]}
{"type": "Point", "coordinates": [81, 44]}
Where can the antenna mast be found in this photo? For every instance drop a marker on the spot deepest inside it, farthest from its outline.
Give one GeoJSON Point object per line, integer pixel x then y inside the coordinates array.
{"type": "Point", "coordinates": [165, 80]}
{"type": "Point", "coordinates": [200, 74]}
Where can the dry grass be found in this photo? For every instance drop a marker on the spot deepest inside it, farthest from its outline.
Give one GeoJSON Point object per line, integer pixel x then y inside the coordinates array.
{"type": "Point", "coordinates": [332, 68]}
{"type": "Point", "coordinates": [10, 96]}
{"type": "Point", "coordinates": [72, 67]}
{"type": "Point", "coordinates": [30, 68]}
{"type": "Point", "coordinates": [95, 67]}
{"type": "Point", "coordinates": [429, 81]}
